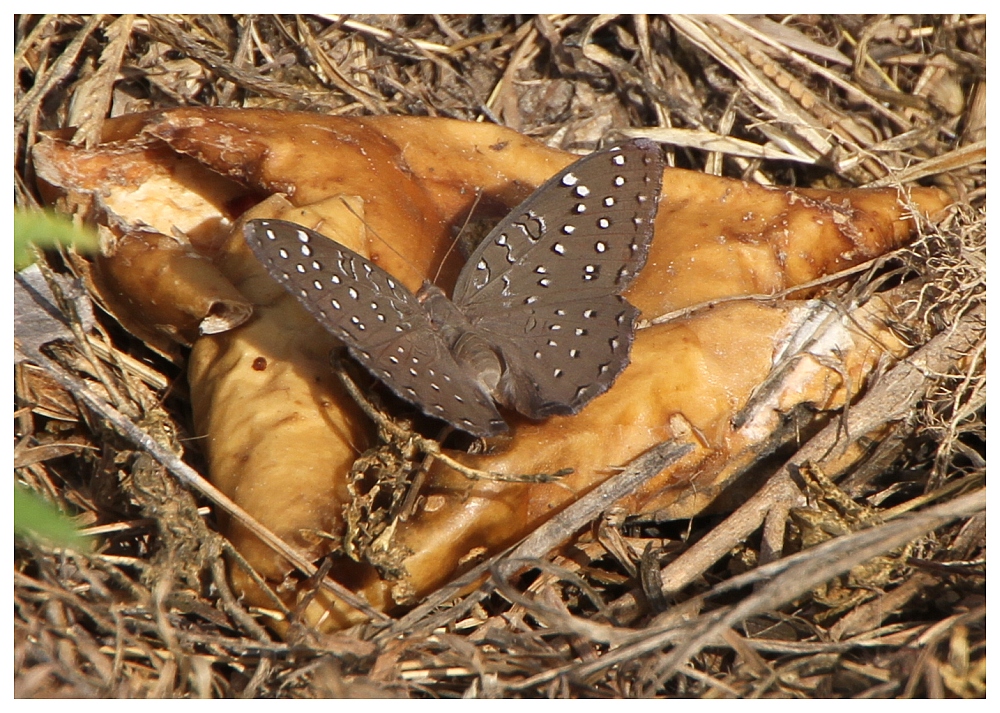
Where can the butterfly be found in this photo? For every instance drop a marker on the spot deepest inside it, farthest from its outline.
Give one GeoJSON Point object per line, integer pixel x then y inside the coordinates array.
{"type": "Point", "coordinates": [536, 321]}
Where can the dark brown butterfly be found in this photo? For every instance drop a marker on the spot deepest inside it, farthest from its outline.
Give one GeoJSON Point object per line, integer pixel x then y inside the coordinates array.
{"type": "Point", "coordinates": [536, 322]}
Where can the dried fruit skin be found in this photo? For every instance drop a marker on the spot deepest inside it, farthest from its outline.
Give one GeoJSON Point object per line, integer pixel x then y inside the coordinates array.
{"type": "Point", "coordinates": [280, 440]}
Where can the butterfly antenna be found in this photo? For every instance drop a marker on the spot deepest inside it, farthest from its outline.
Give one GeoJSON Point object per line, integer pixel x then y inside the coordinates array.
{"type": "Point", "coordinates": [385, 242]}
{"type": "Point", "coordinates": [472, 210]}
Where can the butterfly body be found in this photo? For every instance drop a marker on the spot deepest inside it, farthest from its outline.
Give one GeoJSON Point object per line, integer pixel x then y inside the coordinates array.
{"type": "Point", "coordinates": [536, 321]}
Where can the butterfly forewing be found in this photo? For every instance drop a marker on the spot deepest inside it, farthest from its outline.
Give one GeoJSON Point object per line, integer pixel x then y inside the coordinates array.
{"type": "Point", "coordinates": [380, 321]}
{"type": "Point", "coordinates": [586, 229]}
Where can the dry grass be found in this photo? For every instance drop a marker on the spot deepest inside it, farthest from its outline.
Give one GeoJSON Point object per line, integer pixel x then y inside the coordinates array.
{"type": "Point", "coordinates": [893, 607]}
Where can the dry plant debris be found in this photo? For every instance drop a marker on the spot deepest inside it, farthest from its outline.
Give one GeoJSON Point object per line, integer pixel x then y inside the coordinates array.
{"type": "Point", "coordinates": [887, 599]}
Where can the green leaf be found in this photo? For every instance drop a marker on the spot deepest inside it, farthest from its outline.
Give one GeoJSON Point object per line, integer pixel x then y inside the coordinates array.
{"type": "Point", "coordinates": [37, 519]}
{"type": "Point", "coordinates": [47, 230]}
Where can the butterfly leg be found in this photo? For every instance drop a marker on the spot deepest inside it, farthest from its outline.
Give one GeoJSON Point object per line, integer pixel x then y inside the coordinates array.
{"type": "Point", "coordinates": [389, 430]}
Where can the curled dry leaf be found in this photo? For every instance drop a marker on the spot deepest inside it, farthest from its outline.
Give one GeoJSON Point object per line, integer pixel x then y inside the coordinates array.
{"type": "Point", "coordinates": [163, 288]}
{"type": "Point", "coordinates": [280, 433]}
